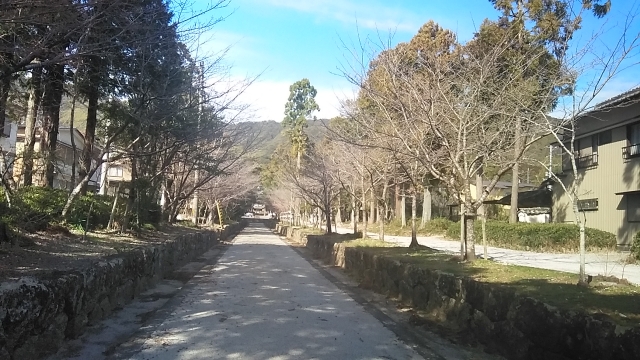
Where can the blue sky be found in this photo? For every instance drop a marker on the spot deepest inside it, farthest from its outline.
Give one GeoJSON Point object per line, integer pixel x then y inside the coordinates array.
{"type": "Point", "coordinates": [287, 40]}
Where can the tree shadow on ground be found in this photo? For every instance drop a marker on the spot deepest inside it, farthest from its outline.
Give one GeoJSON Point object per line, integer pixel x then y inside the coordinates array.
{"type": "Point", "coordinates": [621, 304]}
{"type": "Point", "coordinates": [262, 300]}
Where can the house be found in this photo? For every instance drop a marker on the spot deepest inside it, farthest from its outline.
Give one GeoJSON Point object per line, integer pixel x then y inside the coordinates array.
{"type": "Point", "coordinates": [114, 174]}
{"type": "Point", "coordinates": [64, 155]}
{"type": "Point", "coordinates": [501, 190]}
{"type": "Point", "coordinates": [534, 206]}
{"type": "Point", "coordinates": [8, 148]}
{"type": "Point", "coordinates": [607, 149]}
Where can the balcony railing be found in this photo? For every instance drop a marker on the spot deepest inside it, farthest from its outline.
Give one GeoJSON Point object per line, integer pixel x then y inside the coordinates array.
{"type": "Point", "coordinates": [632, 151]}
{"type": "Point", "coordinates": [582, 162]}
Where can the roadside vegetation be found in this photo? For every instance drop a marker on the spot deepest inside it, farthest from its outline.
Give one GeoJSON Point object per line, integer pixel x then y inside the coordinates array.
{"type": "Point", "coordinates": [555, 237]}
{"type": "Point", "coordinates": [606, 297]}
{"type": "Point", "coordinates": [150, 116]}
{"type": "Point", "coordinates": [411, 136]}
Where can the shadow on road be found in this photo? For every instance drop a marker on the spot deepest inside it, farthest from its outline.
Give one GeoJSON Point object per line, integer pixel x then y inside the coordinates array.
{"type": "Point", "coordinates": [262, 300]}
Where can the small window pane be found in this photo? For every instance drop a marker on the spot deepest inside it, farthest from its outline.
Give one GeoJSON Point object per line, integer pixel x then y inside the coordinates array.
{"type": "Point", "coordinates": [633, 134]}
{"type": "Point", "coordinates": [115, 171]}
{"type": "Point", "coordinates": [633, 207]}
{"type": "Point", "coordinates": [604, 137]}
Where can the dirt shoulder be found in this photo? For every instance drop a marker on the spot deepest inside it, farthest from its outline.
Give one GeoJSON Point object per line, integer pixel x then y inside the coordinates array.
{"type": "Point", "coordinates": [58, 250]}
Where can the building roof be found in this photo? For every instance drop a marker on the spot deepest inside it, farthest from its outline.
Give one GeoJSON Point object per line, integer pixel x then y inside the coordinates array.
{"type": "Point", "coordinates": [541, 197]}
{"type": "Point", "coordinates": [507, 184]}
{"type": "Point", "coordinates": [96, 147]}
{"type": "Point", "coordinates": [633, 94]}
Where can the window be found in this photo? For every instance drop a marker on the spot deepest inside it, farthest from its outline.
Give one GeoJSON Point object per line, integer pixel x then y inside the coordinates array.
{"type": "Point", "coordinates": [604, 137]}
{"type": "Point", "coordinates": [633, 141]}
{"type": "Point", "coordinates": [585, 152]}
{"type": "Point", "coordinates": [588, 204]}
{"type": "Point", "coordinates": [633, 134]}
{"type": "Point", "coordinates": [595, 139]}
{"type": "Point", "coordinates": [115, 171]}
{"type": "Point", "coordinates": [633, 207]}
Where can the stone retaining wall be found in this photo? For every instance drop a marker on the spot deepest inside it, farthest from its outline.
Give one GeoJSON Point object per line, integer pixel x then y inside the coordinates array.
{"type": "Point", "coordinates": [38, 314]}
{"type": "Point", "coordinates": [515, 326]}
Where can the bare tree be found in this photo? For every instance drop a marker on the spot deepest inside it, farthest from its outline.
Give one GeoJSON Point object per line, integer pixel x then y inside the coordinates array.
{"type": "Point", "coordinates": [447, 108]}
{"type": "Point", "coordinates": [314, 181]}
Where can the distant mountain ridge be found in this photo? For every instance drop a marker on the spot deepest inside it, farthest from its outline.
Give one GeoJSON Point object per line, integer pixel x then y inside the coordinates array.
{"type": "Point", "coordinates": [271, 135]}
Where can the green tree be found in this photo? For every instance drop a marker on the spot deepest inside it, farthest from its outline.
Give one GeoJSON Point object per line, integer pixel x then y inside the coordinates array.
{"type": "Point", "coordinates": [299, 107]}
{"type": "Point", "coordinates": [551, 24]}
{"type": "Point", "coordinates": [548, 23]}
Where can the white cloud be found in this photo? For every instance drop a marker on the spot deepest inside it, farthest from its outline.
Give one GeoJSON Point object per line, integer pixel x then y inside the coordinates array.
{"type": "Point", "coordinates": [367, 14]}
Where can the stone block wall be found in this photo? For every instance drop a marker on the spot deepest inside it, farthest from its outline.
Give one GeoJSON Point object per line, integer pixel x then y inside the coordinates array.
{"type": "Point", "coordinates": [38, 314]}
{"type": "Point", "coordinates": [515, 326]}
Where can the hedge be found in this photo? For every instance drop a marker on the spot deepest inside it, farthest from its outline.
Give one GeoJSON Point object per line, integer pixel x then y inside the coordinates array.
{"type": "Point", "coordinates": [436, 226]}
{"type": "Point", "coordinates": [537, 237]}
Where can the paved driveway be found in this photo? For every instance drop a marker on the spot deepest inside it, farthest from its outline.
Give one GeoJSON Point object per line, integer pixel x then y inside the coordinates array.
{"type": "Point", "coordinates": [262, 300]}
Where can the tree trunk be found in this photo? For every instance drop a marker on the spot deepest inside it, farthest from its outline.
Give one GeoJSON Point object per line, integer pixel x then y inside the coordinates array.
{"type": "Point", "coordinates": [90, 130]}
{"type": "Point", "coordinates": [583, 254]}
{"type": "Point", "coordinates": [211, 215]}
{"type": "Point", "coordinates": [73, 143]}
{"type": "Point", "coordinates": [66, 211]}
{"type": "Point", "coordinates": [354, 211]}
{"type": "Point", "coordinates": [297, 219]}
{"type": "Point", "coordinates": [381, 217]}
{"type": "Point", "coordinates": [195, 201]}
{"type": "Point", "coordinates": [173, 212]}
{"type": "Point", "coordinates": [403, 206]}
{"type": "Point", "coordinates": [364, 210]}
{"type": "Point", "coordinates": [327, 213]}
{"type": "Point", "coordinates": [484, 235]}
{"type": "Point", "coordinates": [481, 209]}
{"type": "Point", "coordinates": [414, 210]}
{"type": "Point", "coordinates": [582, 280]}
{"type": "Point", "coordinates": [51, 101]}
{"type": "Point", "coordinates": [470, 253]}
{"type": "Point", "coordinates": [126, 219]}
{"type": "Point", "coordinates": [372, 206]}
{"type": "Point", "coordinates": [463, 245]}
{"type": "Point", "coordinates": [515, 186]}
{"type": "Point", "coordinates": [5, 87]}
{"type": "Point", "coordinates": [426, 206]}
{"type": "Point", "coordinates": [114, 208]}
{"type": "Point", "coordinates": [339, 212]}
{"type": "Point", "coordinates": [397, 200]}
{"type": "Point", "coordinates": [35, 95]}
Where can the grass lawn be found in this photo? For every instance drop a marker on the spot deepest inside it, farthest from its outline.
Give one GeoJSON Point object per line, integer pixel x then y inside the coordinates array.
{"type": "Point", "coordinates": [620, 302]}
{"type": "Point", "coordinates": [395, 228]}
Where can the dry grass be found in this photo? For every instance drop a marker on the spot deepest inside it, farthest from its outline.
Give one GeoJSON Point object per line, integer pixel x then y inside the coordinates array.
{"type": "Point", "coordinates": [618, 301]}
{"type": "Point", "coordinates": [63, 250]}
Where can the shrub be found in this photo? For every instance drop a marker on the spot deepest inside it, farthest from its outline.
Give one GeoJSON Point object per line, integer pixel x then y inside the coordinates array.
{"type": "Point", "coordinates": [99, 206]}
{"type": "Point", "coordinates": [149, 227]}
{"type": "Point", "coordinates": [538, 237]}
{"type": "Point", "coordinates": [437, 226]}
{"type": "Point", "coordinates": [36, 208]}
{"type": "Point", "coordinates": [186, 223]}
{"type": "Point", "coordinates": [635, 246]}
